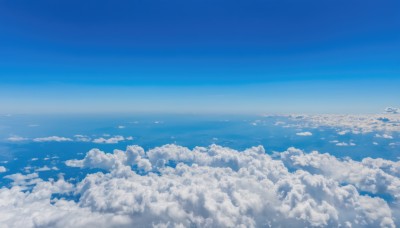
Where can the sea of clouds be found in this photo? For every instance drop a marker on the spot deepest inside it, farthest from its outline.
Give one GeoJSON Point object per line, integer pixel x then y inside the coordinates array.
{"type": "Point", "coordinates": [173, 186]}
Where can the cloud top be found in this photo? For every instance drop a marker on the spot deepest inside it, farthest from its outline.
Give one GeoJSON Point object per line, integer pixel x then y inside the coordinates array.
{"type": "Point", "coordinates": [52, 139]}
{"type": "Point", "coordinates": [306, 133]}
{"type": "Point", "coordinates": [174, 186]}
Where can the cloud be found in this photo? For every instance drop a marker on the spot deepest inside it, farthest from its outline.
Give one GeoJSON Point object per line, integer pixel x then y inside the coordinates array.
{"type": "Point", "coordinates": [46, 168]}
{"type": "Point", "coordinates": [2, 169]}
{"type": "Point", "coordinates": [112, 140]}
{"type": "Point", "coordinates": [82, 138]}
{"type": "Point", "coordinates": [345, 144]}
{"type": "Point", "coordinates": [306, 133]}
{"type": "Point", "coordinates": [98, 159]}
{"type": "Point", "coordinates": [370, 175]}
{"type": "Point", "coordinates": [52, 139]}
{"type": "Point", "coordinates": [218, 186]}
{"type": "Point", "coordinates": [392, 110]}
{"type": "Point", "coordinates": [385, 136]}
{"type": "Point", "coordinates": [343, 132]}
{"type": "Point", "coordinates": [174, 186]}
{"type": "Point", "coordinates": [16, 138]}
{"type": "Point", "coordinates": [355, 124]}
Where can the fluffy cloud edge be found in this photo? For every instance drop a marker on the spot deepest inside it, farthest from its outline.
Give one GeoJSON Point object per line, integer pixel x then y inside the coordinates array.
{"type": "Point", "coordinates": [172, 186]}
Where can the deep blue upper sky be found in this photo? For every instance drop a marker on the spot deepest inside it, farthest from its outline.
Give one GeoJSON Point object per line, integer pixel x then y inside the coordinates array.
{"type": "Point", "coordinates": [197, 42]}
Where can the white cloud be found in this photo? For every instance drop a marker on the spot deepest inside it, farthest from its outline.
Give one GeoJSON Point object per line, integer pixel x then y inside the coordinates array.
{"type": "Point", "coordinates": [306, 133]}
{"type": "Point", "coordinates": [16, 138]}
{"type": "Point", "coordinates": [112, 140]}
{"type": "Point", "coordinates": [385, 136]}
{"type": "Point", "coordinates": [121, 127]}
{"type": "Point", "coordinates": [98, 159]}
{"type": "Point", "coordinates": [219, 186]}
{"type": "Point", "coordinates": [345, 144]}
{"type": "Point", "coordinates": [355, 124]}
{"type": "Point", "coordinates": [392, 110]}
{"type": "Point", "coordinates": [394, 144]}
{"type": "Point", "coordinates": [82, 138]}
{"type": "Point", "coordinates": [209, 187]}
{"type": "Point", "coordinates": [52, 139]}
{"type": "Point", "coordinates": [369, 175]}
{"type": "Point", "coordinates": [343, 132]}
{"type": "Point", "coordinates": [2, 169]}
{"type": "Point", "coordinates": [46, 168]}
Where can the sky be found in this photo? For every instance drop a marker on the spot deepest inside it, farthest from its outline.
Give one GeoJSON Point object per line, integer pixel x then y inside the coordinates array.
{"type": "Point", "coordinates": [254, 56]}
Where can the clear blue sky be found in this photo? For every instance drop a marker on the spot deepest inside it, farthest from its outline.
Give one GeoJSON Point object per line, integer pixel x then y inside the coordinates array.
{"type": "Point", "coordinates": [199, 56]}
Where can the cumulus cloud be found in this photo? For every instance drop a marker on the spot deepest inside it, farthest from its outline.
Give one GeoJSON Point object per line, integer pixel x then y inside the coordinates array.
{"type": "Point", "coordinates": [107, 161]}
{"type": "Point", "coordinates": [174, 186]}
{"type": "Point", "coordinates": [392, 110]}
{"type": "Point", "coordinates": [306, 133]}
{"type": "Point", "coordinates": [82, 138]}
{"type": "Point", "coordinates": [2, 169]}
{"type": "Point", "coordinates": [345, 144]}
{"type": "Point", "coordinates": [370, 175]}
{"type": "Point", "coordinates": [343, 132]}
{"type": "Point", "coordinates": [16, 138]}
{"type": "Point", "coordinates": [46, 168]}
{"type": "Point", "coordinates": [113, 140]}
{"type": "Point", "coordinates": [385, 136]}
{"type": "Point", "coordinates": [52, 139]}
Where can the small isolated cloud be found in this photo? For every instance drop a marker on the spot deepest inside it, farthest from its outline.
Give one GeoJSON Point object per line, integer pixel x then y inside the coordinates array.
{"type": "Point", "coordinates": [343, 132]}
{"type": "Point", "coordinates": [52, 139]}
{"type": "Point", "coordinates": [345, 144]}
{"type": "Point", "coordinates": [82, 138]}
{"type": "Point", "coordinates": [394, 144]}
{"type": "Point", "coordinates": [121, 127]}
{"type": "Point", "coordinates": [306, 133]}
{"type": "Point", "coordinates": [384, 136]}
{"type": "Point", "coordinates": [278, 123]}
{"type": "Point", "coordinates": [33, 125]}
{"type": "Point", "coordinates": [392, 110]}
{"type": "Point", "coordinates": [16, 138]}
{"type": "Point", "coordinates": [113, 140]}
{"type": "Point", "coordinates": [2, 169]}
{"type": "Point", "coordinates": [46, 168]}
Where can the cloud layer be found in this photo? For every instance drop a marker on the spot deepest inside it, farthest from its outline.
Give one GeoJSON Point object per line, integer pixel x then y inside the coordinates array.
{"type": "Point", "coordinates": [173, 186]}
{"type": "Point", "coordinates": [354, 123]}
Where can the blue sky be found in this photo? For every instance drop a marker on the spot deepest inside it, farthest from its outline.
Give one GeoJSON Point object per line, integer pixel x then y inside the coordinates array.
{"type": "Point", "coordinates": [199, 56]}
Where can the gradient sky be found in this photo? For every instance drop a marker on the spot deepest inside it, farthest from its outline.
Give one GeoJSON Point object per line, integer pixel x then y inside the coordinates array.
{"type": "Point", "coordinates": [222, 56]}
